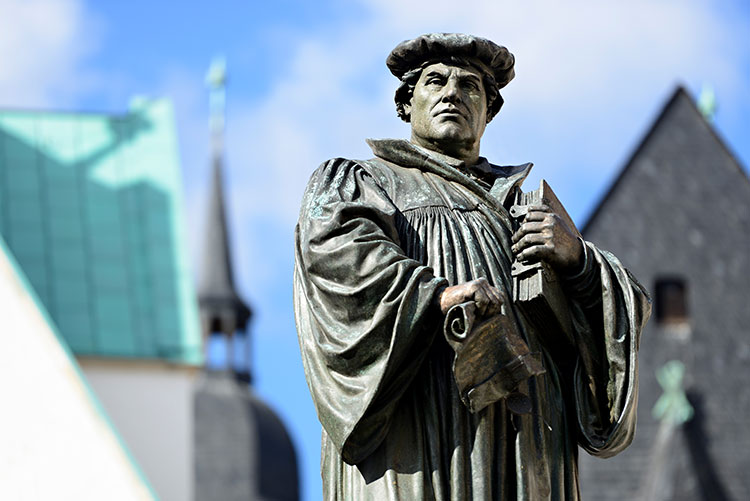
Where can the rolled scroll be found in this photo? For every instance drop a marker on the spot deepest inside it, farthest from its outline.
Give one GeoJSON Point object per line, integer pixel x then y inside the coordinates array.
{"type": "Point", "coordinates": [492, 358]}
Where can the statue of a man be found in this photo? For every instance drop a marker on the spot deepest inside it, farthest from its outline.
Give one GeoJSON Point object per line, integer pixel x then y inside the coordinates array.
{"type": "Point", "coordinates": [386, 247]}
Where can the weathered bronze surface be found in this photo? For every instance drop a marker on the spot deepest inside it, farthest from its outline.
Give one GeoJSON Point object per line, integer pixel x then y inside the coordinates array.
{"type": "Point", "coordinates": [492, 359]}
{"type": "Point", "coordinates": [537, 287]}
{"type": "Point", "coordinates": [430, 380]}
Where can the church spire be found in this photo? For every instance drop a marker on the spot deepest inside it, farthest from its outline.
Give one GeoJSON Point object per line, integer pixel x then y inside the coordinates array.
{"type": "Point", "coordinates": [222, 310]}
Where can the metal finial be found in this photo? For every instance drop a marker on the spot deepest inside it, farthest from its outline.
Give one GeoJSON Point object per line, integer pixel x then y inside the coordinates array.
{"type": "Point", "coordinates": [707, 102]}
{"type": "Point", "coordinates": [216, 80]}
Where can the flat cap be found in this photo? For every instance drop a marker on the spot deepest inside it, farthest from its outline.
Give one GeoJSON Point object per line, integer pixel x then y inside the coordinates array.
{"type": "Point", "coordinates": [411, 54]}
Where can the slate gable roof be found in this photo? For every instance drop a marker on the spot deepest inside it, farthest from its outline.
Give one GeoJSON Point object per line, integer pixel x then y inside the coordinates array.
{"type": "Point", "coordinates": [679, 95]}
{"type": "Point", "coordinates": [681, 208]}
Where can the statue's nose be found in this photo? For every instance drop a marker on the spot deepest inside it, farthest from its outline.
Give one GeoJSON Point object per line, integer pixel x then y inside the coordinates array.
{"type": "Point", "coordinates": [451, 91]}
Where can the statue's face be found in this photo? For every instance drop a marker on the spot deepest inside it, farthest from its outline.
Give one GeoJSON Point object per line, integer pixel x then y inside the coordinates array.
{"type": "Point", "coordinates": [448, 108]}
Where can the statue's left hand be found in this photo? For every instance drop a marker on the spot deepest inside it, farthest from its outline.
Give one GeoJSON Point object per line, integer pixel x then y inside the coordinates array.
{"type": "Point", "coordinates": [544, 236]}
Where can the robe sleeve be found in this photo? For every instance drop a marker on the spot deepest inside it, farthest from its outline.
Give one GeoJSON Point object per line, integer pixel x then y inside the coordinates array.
{"type": "Point", "coordinates": [608, 325]}
{"type": "Point", "coordinates": [366, 314]}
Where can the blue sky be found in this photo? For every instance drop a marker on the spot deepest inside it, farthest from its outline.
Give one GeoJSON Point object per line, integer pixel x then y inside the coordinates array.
{"type": "Point", "coordinates": [307, 81]}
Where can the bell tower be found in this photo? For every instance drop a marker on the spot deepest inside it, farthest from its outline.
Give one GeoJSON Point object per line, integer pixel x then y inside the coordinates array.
{"type": "Point", "coordinates": [222, 310]}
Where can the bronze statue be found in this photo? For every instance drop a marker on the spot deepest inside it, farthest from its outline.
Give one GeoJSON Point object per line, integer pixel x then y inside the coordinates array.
{"type": "Point", "coordinates": [434, 373]}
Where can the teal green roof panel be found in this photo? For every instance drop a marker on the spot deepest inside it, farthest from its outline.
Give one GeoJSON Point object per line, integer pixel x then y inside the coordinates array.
{"type": "Point", "coordinates": [91, 207]}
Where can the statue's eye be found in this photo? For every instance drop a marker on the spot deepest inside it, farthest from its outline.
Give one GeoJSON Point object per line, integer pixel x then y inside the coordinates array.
{"type": "Point", "coordinates": [434, 80]}
{"type": "Point", "coordinates": [470, 85]}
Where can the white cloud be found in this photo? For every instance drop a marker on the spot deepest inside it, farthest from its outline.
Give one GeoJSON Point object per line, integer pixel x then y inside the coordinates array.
{"type": "Point", "coordinates": [42, 43]}
{"type": "Point", "coordinates": [590, 77]}
{"type": "Point", "coordinates": [185, 90]}
{"type": "Point", "coordinates": [588, 73]}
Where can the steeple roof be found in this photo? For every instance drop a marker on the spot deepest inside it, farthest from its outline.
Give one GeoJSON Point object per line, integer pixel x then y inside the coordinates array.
{"type": "Point", "coordinates": [221, 308]}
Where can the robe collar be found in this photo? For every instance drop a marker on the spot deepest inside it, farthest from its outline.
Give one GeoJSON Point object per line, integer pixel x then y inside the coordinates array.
{"type": "Point", "coordinates": [483, 178]}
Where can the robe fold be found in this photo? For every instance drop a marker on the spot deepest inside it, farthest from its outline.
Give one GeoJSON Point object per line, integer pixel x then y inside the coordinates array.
{"type": "Point", "coordinates": [376, 243]}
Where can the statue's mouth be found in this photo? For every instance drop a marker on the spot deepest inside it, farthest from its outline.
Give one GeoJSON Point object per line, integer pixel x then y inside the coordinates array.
{"type": "Point", "coordinates": [450, 112]}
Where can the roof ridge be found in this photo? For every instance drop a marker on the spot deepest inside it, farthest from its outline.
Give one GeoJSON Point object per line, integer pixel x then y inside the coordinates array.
{"type": "Point", "coordinates": [680, 91]}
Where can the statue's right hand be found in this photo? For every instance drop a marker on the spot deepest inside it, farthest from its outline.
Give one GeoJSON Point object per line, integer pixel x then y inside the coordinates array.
{"type": "Point", "coordinates": [488, 299]}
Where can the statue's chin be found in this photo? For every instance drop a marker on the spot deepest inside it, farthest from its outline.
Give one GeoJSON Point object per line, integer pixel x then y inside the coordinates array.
{"type": "Point", "coordinates": [448, 137]}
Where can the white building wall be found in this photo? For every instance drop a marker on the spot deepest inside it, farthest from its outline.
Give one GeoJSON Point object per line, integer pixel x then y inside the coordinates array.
{"type": "Point", "coordinates": [151, 405]}
{"type": "Point", "coordinates": [54, 441]}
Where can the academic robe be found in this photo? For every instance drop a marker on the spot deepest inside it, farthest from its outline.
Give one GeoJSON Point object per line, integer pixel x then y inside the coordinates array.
{"type": "Point", "coordinates": [376, 243]}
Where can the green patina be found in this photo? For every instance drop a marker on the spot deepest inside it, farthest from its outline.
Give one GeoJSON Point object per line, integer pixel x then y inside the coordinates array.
{"type": "Point", "coordinates": [91, 209]}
